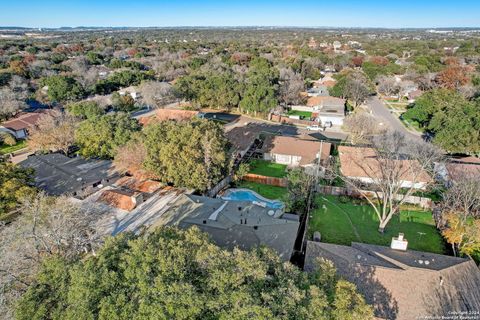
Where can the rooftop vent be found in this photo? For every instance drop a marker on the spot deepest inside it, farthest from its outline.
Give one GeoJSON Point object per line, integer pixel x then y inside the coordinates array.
{"type": "Point", "coordinates": [399, 243]}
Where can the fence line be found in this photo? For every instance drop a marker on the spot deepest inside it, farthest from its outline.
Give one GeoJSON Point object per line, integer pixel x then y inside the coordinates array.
{"type": "Point", "coordinates": [279, 182]}
{"type": "Point", "coordinates": [423, 202]}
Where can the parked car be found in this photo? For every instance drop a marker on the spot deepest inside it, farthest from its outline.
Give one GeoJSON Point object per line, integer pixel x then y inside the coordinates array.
{"type": "Point", "coordinates": [314, 128]}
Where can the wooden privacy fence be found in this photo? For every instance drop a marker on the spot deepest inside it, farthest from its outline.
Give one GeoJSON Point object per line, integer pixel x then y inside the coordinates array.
{"type": "Point", "coordinates": [272, 181]}
{"type": "Point", "coordinates": [423, 202]}
{"type": "Point", "coordinates": [284, 119]}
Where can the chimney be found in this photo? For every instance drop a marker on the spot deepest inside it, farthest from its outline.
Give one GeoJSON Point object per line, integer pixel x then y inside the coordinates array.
{"type": "Point", "coordinates": [399, 243]}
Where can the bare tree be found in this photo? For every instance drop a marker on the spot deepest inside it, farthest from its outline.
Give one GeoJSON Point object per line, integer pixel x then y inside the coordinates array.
{"type": "Point", "coordinates": [387, 85]}
{"type": "Point", "coordinates": [394, 168]}
{"type": "Point", "coordinates": [356, 89]}
{"type": "Point", "coordinates": [361, 126]}
{"type": "Point", "coordinates": [291, 85]}
{"type": "Point", "coordinates": [463, 197]}
{"type": "Point", "coordinates": [54, 131]}
{"type": "Point", "coordinates": [47, 226]}
{"type": "Point", "coordinates": [157, 94]}
{"type": "Point", "coordinates": [9, 103]}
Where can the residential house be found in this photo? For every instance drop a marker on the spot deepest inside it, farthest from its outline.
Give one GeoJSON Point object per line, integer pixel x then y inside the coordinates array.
{"type": "Point", "coordinates": [295, 152]}
{"type": "Point", "coordinates": [328, 110]}
{"type": "Point", "coordinates": [362, 164]}
{"type": "Point", "coordinates": [233, 224]}
{"type": "Point", "coordinates": [21, 123]}
{"type": "Point", "coordinates": [58, 174]}
{"type": "Point", "coordinates": [319, 90]}
{"type": "Point", "coordinates": [403, 284]}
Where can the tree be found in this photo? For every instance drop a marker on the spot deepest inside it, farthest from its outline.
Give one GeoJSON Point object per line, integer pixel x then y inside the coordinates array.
{"type": "Point", "coordinates": [173, 274]}
{"type": "Point", "coordinates": [8, 139]}
{"type": "Point", "coordinates": [453, 77]}
{"type": "Point", "coordinates": [157, 94]}
{"type": "Point", "coordinates": [53, 131]}
{"type": "Point", "coordinates": [85, 109]}
{"type": "Point", "coordinates": [123, 103]}
{"type": "Point", "coordinates": [259, 94]}
{"type": "Point", "coordinates": [454, 121]}
{"type": "Point", "coordinates": [299, 187]}
{"type": "Point", "coordinates": [131, 156]}
{"type": "Point", "coordinates": [387, 85]}
{"type": "Point", "coordinates": [62, 88]}
{"type": "Point", "coordinates": [101, 136]}
{"type": "Point", "coordinates": [361, 126]}
{"type": "Point", "coordinates": [12, 97]}
{"type": "Point", "coordinates": [47, 227]}
{"type": "Point", "coordinates": [291, 85]}
{"type": "Point", "coordinates": [462, 234]}
{"type": "Point", "coordinates": [242, 170]}
{"type": "Point", "coordinates": [460, 214]}
{"type": "Point", "coordinates": [392, 160]}
{"type": "Point", "coordinates": [190, 154]}
{"type": "Point", "coordinates": [356, 90]}
{"type": "Point", "coordinates": [15, 184]}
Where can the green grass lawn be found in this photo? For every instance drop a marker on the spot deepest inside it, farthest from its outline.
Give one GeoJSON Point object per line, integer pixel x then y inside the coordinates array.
{"type": "Point", "coordinates": [5, 149]}
{"type": "Point", "coordinates": [268, 168]}
{"type": "Point", "coordinates": [336, 222]}
{"type": "Point", "coordinates": [305, 114]}
{"type": "Point", "coordinates": [267, 191]}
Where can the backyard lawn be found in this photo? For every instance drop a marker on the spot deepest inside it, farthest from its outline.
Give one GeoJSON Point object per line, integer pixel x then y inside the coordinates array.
{"type": "Point", "coordinates": [343, 223]}
{"type": "Point", "coordinates": [305, 114]}
{"type": "Point", "coordinates": [267, 191]}
{"type": "Point", "coordinates": [6, 149]}
{"type": "Point", "coordinates": [268, 168]}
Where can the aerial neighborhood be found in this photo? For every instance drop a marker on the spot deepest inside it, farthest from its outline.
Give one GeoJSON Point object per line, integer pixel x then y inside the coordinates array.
{"type": "Point", "coordinates": [197, 173]}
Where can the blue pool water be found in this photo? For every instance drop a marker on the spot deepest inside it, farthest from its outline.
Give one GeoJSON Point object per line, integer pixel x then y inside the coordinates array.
{"type": "Point", "coordinates": [248, 195]}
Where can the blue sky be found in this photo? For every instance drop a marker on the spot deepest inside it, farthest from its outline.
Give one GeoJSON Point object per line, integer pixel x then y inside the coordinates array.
{"type": "Point", "coordinates": [143, 13]}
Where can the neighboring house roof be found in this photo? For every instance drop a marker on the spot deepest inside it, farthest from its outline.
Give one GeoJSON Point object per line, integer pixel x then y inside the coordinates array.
{"type": "Point", "coordinates": [148, 186]}
{"type": "Point", "coordinates": [24, 120]}
{"type": "Point", "coordinates": [58, 174]}
{"type": "Point", "coordinates": [359, 162]}
{"type": "Point", "coordinates": [325, 101]}
{"type": "Point", "coordinates": [242, 137]}
{"type": "Point", "coordinates": [471, 159]}
{"type": "Point", "coordinates": [294, 146]}
{"type": "Point", "coordinates": [403, 284]}
{"type": "Point", "coordinates": [233, 224]}
{"type": "Point", "coordinates": [121, 199]}
{"type": "Point", "coordinates": [169, 114]}
{"type": "Point", "coordinates": [458, 171]}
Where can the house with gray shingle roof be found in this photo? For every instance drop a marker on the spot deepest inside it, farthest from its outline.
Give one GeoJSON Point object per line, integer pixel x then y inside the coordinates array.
{"type": "Point", "coordinates": [403, 284]}
{"type": "Point", "coordinates": [230, 224]}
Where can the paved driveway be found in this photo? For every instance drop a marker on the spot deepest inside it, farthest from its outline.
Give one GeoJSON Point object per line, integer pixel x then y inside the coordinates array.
{"type": "Point", "coordinates": [381, 111]}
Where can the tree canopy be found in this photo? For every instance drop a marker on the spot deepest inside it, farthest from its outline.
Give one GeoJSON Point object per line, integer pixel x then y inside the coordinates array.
{"type": "Point", "coordinates": [101, 136]}
{"type": "Point", "coordinates": [454, 121]}
{"type": "Point", "coordinates": [173, 274]}
{"type": "Point", "coordinates": [14, 185]}
{"type": "Point", "coordinates": [190, 154]}
{"type": "Point", "coordinates": [62, 88]}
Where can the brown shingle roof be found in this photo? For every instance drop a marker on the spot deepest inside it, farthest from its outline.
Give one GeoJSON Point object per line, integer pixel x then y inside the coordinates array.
{"type": "Point", "coordinates": [458, 171]}
{"type": "Point", "coordinates": [401, 285]}
{"type": "Point", "coordinates": [131, 183]}
{"type": "Point", "coordinates": [325, 101]}
{"type": "Point", "coordinates": [307, 149]}
{"type": "Point", "coordinates": [359, 162]}
{"type": "Point", "coordinates": [24, 120]}
{"type": "Point", "coordinates": [121, 199]}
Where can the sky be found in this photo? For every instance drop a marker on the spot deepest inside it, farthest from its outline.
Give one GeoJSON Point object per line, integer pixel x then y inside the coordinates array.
{"type": "Point", "coordinates": [158, 13]}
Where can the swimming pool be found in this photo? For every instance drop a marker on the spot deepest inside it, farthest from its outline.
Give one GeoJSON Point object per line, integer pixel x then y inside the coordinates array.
{"type": "Point", "coordinates": [249, 195]}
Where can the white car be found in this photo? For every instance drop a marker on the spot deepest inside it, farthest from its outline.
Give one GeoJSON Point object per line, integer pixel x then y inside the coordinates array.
{"type": "Point", "coordinates": [314, 128]}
